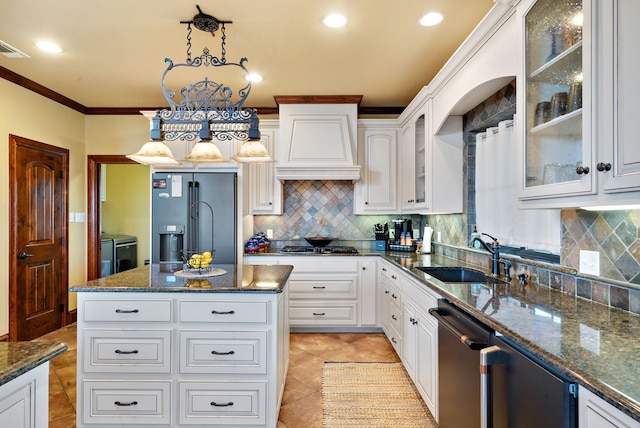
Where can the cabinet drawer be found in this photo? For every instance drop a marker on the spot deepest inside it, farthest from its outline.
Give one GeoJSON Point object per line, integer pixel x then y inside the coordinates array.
{"type": "Point", "coordinates": [315, 265]}
{"type": "Point", "coordinates": [324, 314]}
{"type": "Point", "coordinates": [334, 288]}
{"type": "Point", "coordinates": [126, 403]}
{"type": "Point", "coordinates": [389, 274]}
{"type": "Point", "coordinates": [394, 297]}
{"type": "Point", "coordinates": [127, 310]}
{"type": "Point", "coordinates": [395, 318]}
{"type": "Point", "coordinates": [222, 403]}
{"type": "Point", "coordinates": [127, 351]}
{"type": "Point", "coordinates": [224, 312]}
{"type": "Point", "coordinates": [223, 352]}
{"type": "Point", "coordinates": [395, 339]}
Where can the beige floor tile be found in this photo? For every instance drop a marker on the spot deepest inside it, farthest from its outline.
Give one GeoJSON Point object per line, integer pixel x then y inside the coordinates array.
{"type": "Point", "coordinates": [304, 413]}
{"type": "Point", "coordinates": [295, 390]}
{"type": "Point", "coordinates": [308, 372]}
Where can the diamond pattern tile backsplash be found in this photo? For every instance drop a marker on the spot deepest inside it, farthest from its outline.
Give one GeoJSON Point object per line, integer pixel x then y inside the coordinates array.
{"type": "Point", "coordinates": [321, 208]}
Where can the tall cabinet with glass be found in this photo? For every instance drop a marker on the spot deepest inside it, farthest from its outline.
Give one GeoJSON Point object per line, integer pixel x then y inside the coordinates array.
{"type": "Point", "coordinates": [557, 150]}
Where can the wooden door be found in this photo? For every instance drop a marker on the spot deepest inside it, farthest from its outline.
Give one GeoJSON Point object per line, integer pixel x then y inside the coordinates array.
{"type": "Point", "coordinates": [38, 238]}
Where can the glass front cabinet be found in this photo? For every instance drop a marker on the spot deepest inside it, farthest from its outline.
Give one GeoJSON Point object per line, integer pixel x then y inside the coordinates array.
{"type": "Point", "coordinates": [556, 85]}
{"type": "Point", "coordinates": [578, 103]}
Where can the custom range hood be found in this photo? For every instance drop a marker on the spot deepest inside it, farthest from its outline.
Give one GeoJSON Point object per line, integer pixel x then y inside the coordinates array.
{"type": "Point", "coordinates": [318, 138]}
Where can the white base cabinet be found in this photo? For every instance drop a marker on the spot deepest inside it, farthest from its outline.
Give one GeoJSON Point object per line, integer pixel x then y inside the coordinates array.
{"type": "Point", "coordinates": [181, 359]}
{"type": "Point", "coordinates": [594, 412]}
{"type": "Point", "coordinates": [24, 401]}
{"type": "Point", "coordinates": [329, 293]}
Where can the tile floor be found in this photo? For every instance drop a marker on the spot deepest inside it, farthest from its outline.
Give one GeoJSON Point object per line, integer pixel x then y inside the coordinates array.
{"type": "Point", "coordinates": [302, 401]}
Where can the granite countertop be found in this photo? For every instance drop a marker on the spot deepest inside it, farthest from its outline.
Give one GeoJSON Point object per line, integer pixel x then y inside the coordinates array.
{"type": "Point", "coordinates": [169, 278]}
{"type": "Point", "coordinates": [597, 346]}
{"type": "Point", "coordinates": [17, 358]}
{"type": "Point", "coordinates": [593, 344]}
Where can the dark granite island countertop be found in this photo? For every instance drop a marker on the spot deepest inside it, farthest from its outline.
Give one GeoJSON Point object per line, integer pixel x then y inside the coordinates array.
{"type": "Point", "coordinates": [17, 358]}
{"type": "Point", "coordinates": [168, 278]}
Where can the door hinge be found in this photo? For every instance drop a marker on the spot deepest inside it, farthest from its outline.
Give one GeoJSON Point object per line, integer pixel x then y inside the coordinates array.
{"type": "Point", "coordinates": [62, 240]}
{"type": "Point", "coordinates": [61, 307]}
{"type": "Point", "coordinates": [573, 390]}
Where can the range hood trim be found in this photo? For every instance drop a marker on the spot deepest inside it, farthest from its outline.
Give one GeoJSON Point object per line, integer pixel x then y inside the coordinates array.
{"type": "Point", "coordinates": [318, 142]}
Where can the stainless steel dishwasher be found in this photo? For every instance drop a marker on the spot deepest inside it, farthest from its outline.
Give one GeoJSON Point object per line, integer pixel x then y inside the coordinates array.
{"type": "Point", "coordinates": [460, 339]}
{"type": "Point", "coordinates": [486, 381]}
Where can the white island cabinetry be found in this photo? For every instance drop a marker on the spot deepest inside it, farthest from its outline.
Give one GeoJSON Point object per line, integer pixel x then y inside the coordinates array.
{"type": "Point", "coordinates": [181, 359]}
{"type": "Point", "coordinates": [594, 412]}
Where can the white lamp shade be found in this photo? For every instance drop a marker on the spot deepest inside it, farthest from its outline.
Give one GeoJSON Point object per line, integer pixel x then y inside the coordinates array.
{"type": "Point", "coordinates": [205, 152]}
{"type": "Point", "coordinates": [154, 153]}
{"type": "Point", "coordinates": [253, 151]}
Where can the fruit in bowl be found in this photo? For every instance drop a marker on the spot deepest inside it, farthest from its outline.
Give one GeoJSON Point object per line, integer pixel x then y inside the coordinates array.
{"type": "Point", "coordinates": [200, 260]}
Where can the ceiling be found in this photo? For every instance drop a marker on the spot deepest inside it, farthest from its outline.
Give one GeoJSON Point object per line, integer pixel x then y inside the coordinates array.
{"type": "Point", "coordinates": [114, 50]}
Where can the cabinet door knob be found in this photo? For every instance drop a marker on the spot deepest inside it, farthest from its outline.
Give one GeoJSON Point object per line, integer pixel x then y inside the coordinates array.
{"type": "Point", "coordinates": [602, 167]}
{"type": "Point", "coordinates": [582, 170]}
{"type": "Point", "coordinates": [366, 203]}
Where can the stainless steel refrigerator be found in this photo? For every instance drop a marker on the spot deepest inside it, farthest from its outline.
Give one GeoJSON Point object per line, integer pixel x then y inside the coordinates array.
{"type": "Point", "coordinates": [193, 212]}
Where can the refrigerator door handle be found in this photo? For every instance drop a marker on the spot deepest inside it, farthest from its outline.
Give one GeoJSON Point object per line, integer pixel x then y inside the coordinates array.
{"type": "Point", "coordinates": [488, 357]}
{"type": "Point", "coordinates": [473, 344]}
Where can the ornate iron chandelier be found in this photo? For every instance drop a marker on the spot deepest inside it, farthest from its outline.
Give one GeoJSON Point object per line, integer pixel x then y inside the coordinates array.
{"type": "Point", "coordinates": [205, 110]}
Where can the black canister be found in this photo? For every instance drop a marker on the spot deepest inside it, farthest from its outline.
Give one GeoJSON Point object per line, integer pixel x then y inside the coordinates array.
{"type": "Point", "coordinates": [574, 101]}
{"type": "Point", "coordinates": [559, 104]}
{"type": "Point", "coordinates": [543, 113]}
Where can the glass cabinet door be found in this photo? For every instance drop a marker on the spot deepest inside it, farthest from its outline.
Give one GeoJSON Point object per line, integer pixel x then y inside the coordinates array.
{"type": "Point", "coordinates": [420, 185]}
{"type": "Point", "coordinates": [553, 116]}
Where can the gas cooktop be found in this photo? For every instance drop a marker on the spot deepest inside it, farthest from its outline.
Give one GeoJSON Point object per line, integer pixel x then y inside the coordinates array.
{"type": "Point", "coordinates": [330, 249]}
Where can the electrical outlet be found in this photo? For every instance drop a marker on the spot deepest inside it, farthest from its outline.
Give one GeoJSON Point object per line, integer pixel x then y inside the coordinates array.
{"type": "Point", "coordinates": [590, 262]}
{"type": "Point", "coordinates": [79, 217]}
{"type": "Point", "coordinates": [270, 233]}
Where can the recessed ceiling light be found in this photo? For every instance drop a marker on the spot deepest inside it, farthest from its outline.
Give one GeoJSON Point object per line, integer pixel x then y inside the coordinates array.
{"type": "Point", "coordinates": [49, 46]}
{"type": "Point", "coordinates": [431, 18]}
{"type": "Point", "coordinates": [335, 20]}
{"type": "Point", "coordinates": [253, 77]}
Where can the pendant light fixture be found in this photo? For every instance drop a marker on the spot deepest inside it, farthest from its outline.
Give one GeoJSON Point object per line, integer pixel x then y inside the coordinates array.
{"type": "Point", "coordinates": [204, 111]}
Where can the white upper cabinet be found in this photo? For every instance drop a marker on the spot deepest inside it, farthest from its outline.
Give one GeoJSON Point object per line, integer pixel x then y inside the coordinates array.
{"type": "Point", "coordinates": [431, 164]}
{"type": "Point", "coordinates": [618, 65]}
{"type": "Point", "coordinates": [377, 190]}
{"type": "Point", "coordinates": [557, 153]}
{"type": "Point", "coordinates": [578, 103]}
{"type": "Point", "coordinates": [265, 190]}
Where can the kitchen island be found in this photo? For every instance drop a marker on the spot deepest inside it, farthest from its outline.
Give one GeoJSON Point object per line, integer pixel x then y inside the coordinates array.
{"type": "Point", "coordinates": [161, 347]}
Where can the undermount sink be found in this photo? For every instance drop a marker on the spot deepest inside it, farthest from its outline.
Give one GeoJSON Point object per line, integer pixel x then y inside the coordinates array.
{"type": "Point", "coordinates": [456, 274]}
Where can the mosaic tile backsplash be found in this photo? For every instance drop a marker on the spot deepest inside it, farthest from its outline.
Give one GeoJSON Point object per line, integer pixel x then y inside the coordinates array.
{"type": "Point", "coordinates": [321, 208]}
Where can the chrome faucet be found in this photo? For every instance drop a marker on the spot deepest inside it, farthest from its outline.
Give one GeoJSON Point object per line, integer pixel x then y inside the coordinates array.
{"type": "Point", "coordinates": [495, 256]}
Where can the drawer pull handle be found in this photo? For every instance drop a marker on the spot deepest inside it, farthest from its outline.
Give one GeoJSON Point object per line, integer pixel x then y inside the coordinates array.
{"type": "Point", "coordinates": [118, 403]}
{"type": "Point", "coordinates": [223, 353]}
{"type": "Point", "coordinates": [394, 296]}
{"type": "Point", "coordinates": [230, 403]}
{"type": "Point", "coordinates": [386, 291]}
{"type": "Point", "coordinates": [393, 317]}
{"type": "Point", "coordinates": [321, 287]}
{"type": "Point", "coordinates": [393, 339]}
{"type": "Point", "coordinates": [394, 277]}
{"type": "Point", "coordinates": [214, 312]}
{"type": "Point", "coordinates": [125, 311]}
{"type": "Point", "coordinates": [135, 351]}
{"type": "Point", "coordinates": [319, 313]}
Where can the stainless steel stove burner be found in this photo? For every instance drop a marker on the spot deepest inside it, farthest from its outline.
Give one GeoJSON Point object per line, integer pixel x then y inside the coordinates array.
{"type": "Point", "coordinates": [330, 249]}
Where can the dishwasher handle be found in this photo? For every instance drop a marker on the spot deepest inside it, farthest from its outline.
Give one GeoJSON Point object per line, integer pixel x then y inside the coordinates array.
{"type": "Point", "coordinates": [473, 344]}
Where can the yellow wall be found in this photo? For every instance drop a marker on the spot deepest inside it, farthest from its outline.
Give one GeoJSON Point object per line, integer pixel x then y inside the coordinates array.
{"type": "Point", "coordinates": [29, 115]}
{"type": "Point", "coordinates": [126, 208]}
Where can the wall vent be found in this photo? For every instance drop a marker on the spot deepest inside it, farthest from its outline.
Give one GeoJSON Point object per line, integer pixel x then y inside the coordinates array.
{"type": "Point", "coordinates": [11, 52]}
